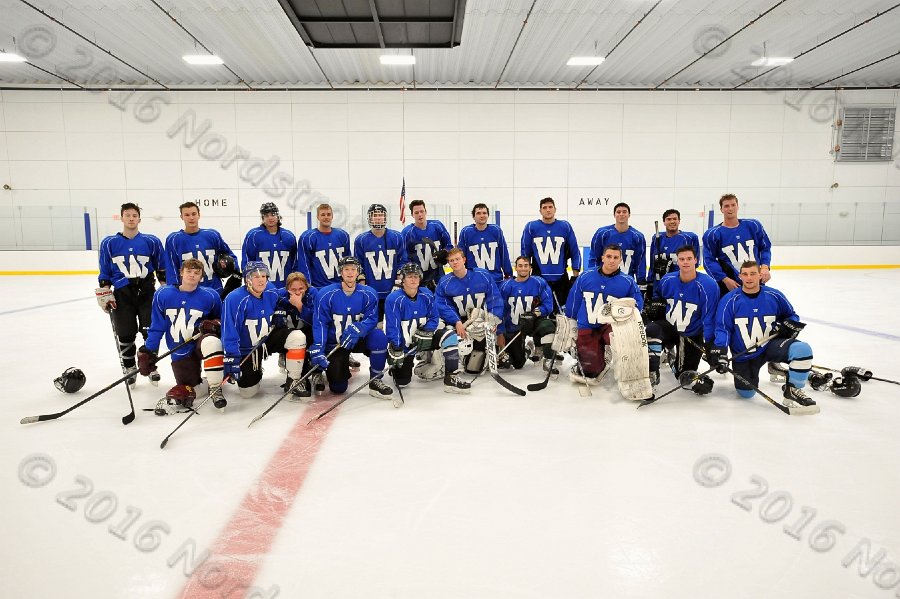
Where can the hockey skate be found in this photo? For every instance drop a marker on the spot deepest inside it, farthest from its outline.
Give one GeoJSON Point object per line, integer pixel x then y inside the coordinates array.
{"type": "Point", "coordinates": [794, 396]}
{"type": "Point", "coordinates": [454, 384]}
{"type": "Point", "coordinates": [217, 397]}
{"type": "Point", "coordinates": [654, 378]}
{"type": "Point", "coordinates": [318, 383]}
{"type": "Point", "coordinates": [131, 381]}
{"type": "Point", "coordinates": [354, 363]}
{"type": "Point", "coordinates": [282, 364]}
{"type": "Point", "coordinates": [299, 391]}
{"type": "Point", "coordinates": [549, 365]}
{"type": "Point", "coordinates": [576, 376]}
{"type": "Point", "coordinates": [777, 372]}
{"type": "Point", "coordinates": [155, 378]}
{"type": "Point", "coordinates": [503, 362]}
{"type": "Point", "coordinates": [378, 388]}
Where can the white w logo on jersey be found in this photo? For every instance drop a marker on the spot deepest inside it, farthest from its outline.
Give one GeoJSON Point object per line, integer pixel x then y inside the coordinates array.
{"type": "Point", "coordinates": [183, 325]}
{"type": "Point", "coordinates": [137, 266]}
{"type": "Point", "coordinates": [548, 249]}
{"type": "Point", "coordinates": [680, 314]}
{"type": "Point", "coordinates": [625, 266]}
{"type": "Point", "coordinates": [207, 260]}
{"type": "Point", "coordinates": [276, 264]}
{"type": "Point", "coordinates": [519, 305]}
{"type": "Point", "coordinates": [382, 265]}
{"type": "Point", "coordinates": [752, 333]}
{"type": "Point", "coordinates": [408, 328]}
{"type": "Point", "coordinates": [593, 305]}
{"type": "Point", "coordinates": [464, 303]}
{"type": "Point", "coordinates": [485, 255]}
{"type": "Point", "coordinates": [257, 329]}
{"type": "Point", "coordinates": [743, 253]}
{"type": "Point", "coordinates": [426, 260]}
{"type": "Point", "coordinates": [340, 323]}
{"type": "Point", "coordinates": [328, 260]}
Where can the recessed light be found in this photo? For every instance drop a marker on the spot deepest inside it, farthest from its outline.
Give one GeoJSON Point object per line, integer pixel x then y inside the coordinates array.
{"type": "Point", "coordinates": [584, 61]}
{"type": "Point", "coordinates": [202, 59]}
{"type": "Point", "coordinates": [397, 59]}
{"type": "Point", "coordinates": [771, 61]}
{"type": "Point", "coordinates": [9, 57]}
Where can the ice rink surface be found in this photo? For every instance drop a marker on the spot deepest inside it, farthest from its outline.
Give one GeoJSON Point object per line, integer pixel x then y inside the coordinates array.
{"type": "Point", "coordinates": [483, 496]}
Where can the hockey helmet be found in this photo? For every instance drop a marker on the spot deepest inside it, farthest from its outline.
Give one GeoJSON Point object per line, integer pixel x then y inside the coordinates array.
{"type": "Point", "coordinates": [846, 386]}
{"type": "Point", "coordinates": [372, 211]}
{"type": "Point", "coordinates": [410, 268]}
{"type": "Point", "coordinates": [252, 267]}
{"type": "Point", "coordinates": [270, 208]}
{"type": "Point", "coordinates": [70, 381]}
{"type": "Point", "coordinates": [349, 261]}
{"type": "Point", "coordinates": [224, 266]}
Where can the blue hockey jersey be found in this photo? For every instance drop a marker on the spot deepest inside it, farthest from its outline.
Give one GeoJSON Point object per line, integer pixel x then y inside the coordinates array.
{"type": "Point", "coordinates": [663, 246]}
{"type": "Point", "coordinates": [176, 314]}
{"type": "Point", "coordinates": [204, 245]}
{"type": "Point", "coordinates": [403, 315]}
{"type": "Point", "coordinates": [477, 289]}
{"type": "Point", "coordinates": [634, 250]}
{"type": "Point", "coordinates": [486, 250]}
{"type": "Point", "coordinates": [422, 253]}
{"type": "Point", "coordinates": [334, 310]}
{"type": "Point", "coordinates": [743, 319]}
{"type": "Point", "coordinates": [122, 259]}
{"type": "Point", "coordinates": [550, 246]}
{"type": "Point", "coordinates": [519, 297]}
{"type": "Point", "coordinates": [726, 248]}
{"type": "Point", "coordinates": [298, 319]}
{"type": "Point", "coordinates": [381, 258]}
{"type": "Point", "coordinates": [592, 289]}
{"type": "Point", "coordinates": [691, 307]}
{"type": "Point", "coordinates": [277, 250]}
{"type": "Point", "coordinates": [247, 319]}
{"type": "Point", "coordinates": [318, 255]}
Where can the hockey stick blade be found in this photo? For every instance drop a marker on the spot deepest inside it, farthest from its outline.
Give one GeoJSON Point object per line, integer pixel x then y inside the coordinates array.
{"type": "Point", "coordinates": [543, 384]}
{"type": "Point", "coordinates": [507, 385]}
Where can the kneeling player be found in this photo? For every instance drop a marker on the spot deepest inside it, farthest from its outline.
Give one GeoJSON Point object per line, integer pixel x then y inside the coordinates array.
{"type": "Point", "coordinates": [683, 307]}
{"type": "Point", "coordinates": [411, 321]}
{"type": "Point", "coordinates": [247, 320]}
{"type": "Point", "coordinates": [176, 313]}
{"type": "Point", "coordinates": [344, 321]}
{"type": "Point", "coordinates": [745, 316]}
{"type": "Point", "coordinates": [527, 301]}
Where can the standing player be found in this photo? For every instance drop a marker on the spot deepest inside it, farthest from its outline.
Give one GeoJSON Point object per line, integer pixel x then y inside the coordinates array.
{"type": "Point", "coordinates": [127, 263]}
{"type": "Point", "coordinates": [549, 244]}
{"type": "Point", "coordinates": [205, 245]}
{"type": "Point", "coordinates": [319, 250]}
{"type": "Point", "coordinates": [179, 311]}
{"type": "Point", "coordinates": [684, 306]}
{"type": "Point", "coordinates": [664, 247]}
{"type": "Point", "coordinates": [412, 320]}
{"type": "Point", "coordinates": [485, 246]}
{"type": "Point", "coordinates": [527, 302]}
{"type": "Point", "coordinates": [345, 317]}
{"type": "Point", "coordinates": [744, 317]}
{"type": "Point", "coordinates": [247, 320]}
{"type": "Point", "coordinates": [431, 257]}
{"type": "Point", "coordinates": [630, 241]}
{"type": "Point", "coordinates": [382, 252]}
{"type": "Point", "coordinates": [462, 291]}
{"type": "Point", "coordinates": [271, 244]}
{"type": "Point", "coordinates": [731, 243]}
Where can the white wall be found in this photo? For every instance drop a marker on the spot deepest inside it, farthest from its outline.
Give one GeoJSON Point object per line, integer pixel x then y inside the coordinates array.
{"type": "Point", "coordinates": [654, 150]}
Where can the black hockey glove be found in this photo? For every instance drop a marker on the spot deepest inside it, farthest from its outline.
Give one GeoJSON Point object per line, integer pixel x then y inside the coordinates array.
{"type": "Point", "coordinates": [422, 339]}
{"type": "Point", "coordinates": [788, 329]}
{"type": "Point", "coordinates": [395, 356]}
{"type": "Point", "coordinates": [655, 309]}
{"type": "Point", "coordinates": [279, 319]}
{"type": "Point", "coordinates": [440, 257]}
{"type": "Point", "coordinates": [856, 371]}
{"type": "Point", "coordinates": [718, 358]}
{"type": "Point", "coordinates": [526, 322]}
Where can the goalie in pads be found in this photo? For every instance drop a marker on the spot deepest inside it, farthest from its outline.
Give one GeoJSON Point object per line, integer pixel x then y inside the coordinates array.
{"type": "Point", "coordinates": [605, 304]}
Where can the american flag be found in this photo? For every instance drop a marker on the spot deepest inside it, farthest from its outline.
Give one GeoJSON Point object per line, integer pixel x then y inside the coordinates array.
{"type": "Point", "coordinates": [403, 202]}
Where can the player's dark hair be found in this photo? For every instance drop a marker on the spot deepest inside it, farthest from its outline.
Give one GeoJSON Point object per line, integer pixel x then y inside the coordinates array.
{"type": "Point", "coordinates": [686, 248]}
{"type": "Point", "coordinates": [613, 246]}
{"type": "Point", "coordinates": [621, 205]}
{"type": "Point", "coordinates": [415, 203]}
{"type": "Point", "coordinates": [189, 205]}
{"type": "Point", "coordinates": [727, 196]}
{"type": "Point", "coordinates": [477, 206]}
{"type": "Point", "coordinates": [749, 264]}
{"type": "Point", "coordinates": [547, 201]}
{"type": "Point", "coordinates": [525, 258]}
{"type": "Point", "coordinates": [670, 212]}
{"type": "Point", "coordinates": [129, 206]}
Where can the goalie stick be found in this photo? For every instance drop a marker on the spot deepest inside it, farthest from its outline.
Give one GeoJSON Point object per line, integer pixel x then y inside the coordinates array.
{"type": "Point", "coordinates": [132, 371]}
{"type": "Point", "coordinates": [491, 342]}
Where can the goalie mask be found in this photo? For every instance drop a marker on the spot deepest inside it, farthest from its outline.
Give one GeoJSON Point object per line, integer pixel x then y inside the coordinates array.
{"type": "Point", "coordinates": [70, 381]}
{"type": "Point", "coordinates": [372, 215]}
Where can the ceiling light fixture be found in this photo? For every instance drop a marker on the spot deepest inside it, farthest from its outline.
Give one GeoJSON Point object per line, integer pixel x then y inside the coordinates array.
{"type": "Point", "coordinates": [202, 59]}
{"type": "Point", "coordinates": [771, 61]}
{"type": "Point", "coordinates": [584, 61]}
{"type": "Point", "coordinates": [397, 59]}
{"type": "Point", "coordinates": [10, 57]}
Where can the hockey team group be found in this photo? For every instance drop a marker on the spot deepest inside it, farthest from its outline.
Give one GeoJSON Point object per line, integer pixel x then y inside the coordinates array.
{"type": "Point", "coordinates": [315, 301]}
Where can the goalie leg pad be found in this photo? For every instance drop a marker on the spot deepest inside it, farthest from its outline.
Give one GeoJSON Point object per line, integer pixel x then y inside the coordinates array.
{"type": "Point", "coordinates": [432, 368]}
{"type": "Point", "coordinates": [213, 358]}
{"type": "Point", "coordinates": [565, 335]}
{"type": "Point", "coordinates": [631, 356]}
{"type": "Point", "coordinates": [475, 363]}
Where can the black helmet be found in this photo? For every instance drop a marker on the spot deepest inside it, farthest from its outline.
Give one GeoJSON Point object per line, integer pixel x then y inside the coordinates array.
{"type": "Point", "coordinates": [70, 381]}
{"type": "Point", "coordinates": [846, 386]}
{"type": "Point", "coordinates": [349, 261]}
{"type": "Point", "coordinates": [372, 211]}
{"type": "Point", "coordinates": [224, 266]}
{"type": "Point", "coordinates": [410, 268]}
{"type": "Point", "coordinates": [270, 208]}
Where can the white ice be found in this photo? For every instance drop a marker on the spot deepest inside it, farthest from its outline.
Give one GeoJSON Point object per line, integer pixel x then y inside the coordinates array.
{"type": "Point", "coordinates": [484, 496]}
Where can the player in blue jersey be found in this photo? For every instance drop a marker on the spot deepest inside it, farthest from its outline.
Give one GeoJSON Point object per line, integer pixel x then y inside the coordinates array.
{"type": "Point", "coordinates": [382, 252]}
{"type": "Point", "coordinates": [345, 319]}
{"type": "Point", "coordinates": [247, 319]}
{"type": "Point", "coordinates": [128, 261]}
{"type": "Point", "coordinates": [731, 243]}
{"type": "Point", "coordinates": [462, 291]}
{"type": "Point", "coordinates": [178, 312]}
{"type": "Point", "coordinates": [205, 245]}
{"type": "Point", "coordinates": [683, 307]}
{"type": "Point", "coordinates": [411, 320]}
{"type": "Point", "coordinates": [664, 247]}
{"type": "Point", "coordinates": [549, 244]}
{"type": "Point", "coordinates": [632, 242]}
{"type": "Point", "coordinates": [319, 250]}
{"type": "Point", "coordinates": [298, 303]}
{"type": "Point", "coordinates": [271, 244]}
{"type": "Point", "coordinates": [431, 257]}
{"type": "Point", "coordinates": [527, 302]}
{"type": "Point", "coordinates": [744, 317]}
{"type": "Point", "coordinates": [593, 289]}
{"type": "Point", "coordinates": [485, 246]}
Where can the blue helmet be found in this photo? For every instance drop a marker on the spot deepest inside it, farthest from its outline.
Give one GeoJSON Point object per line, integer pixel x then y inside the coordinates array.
{"type": "Point", "coordinates": [254, 266]}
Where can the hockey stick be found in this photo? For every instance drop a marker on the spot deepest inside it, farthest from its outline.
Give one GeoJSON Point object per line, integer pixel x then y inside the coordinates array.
{"type": "Point", "coordinates": [348, 396]}
{"type": "Point", "coordinates": [127, 418]}
{"type": "Point", "coordinates": [133, 371]}
{"type": "Point", "coordinates": [857, 371]}
{"type": "Point", "coordinates": [209, 394]}
{"type": "Point", "coordinates": [500, 353]}
{"type": "Point", "coordinates": [491, 342]}
{"type": "Point", "coordinates": [290, 390]}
